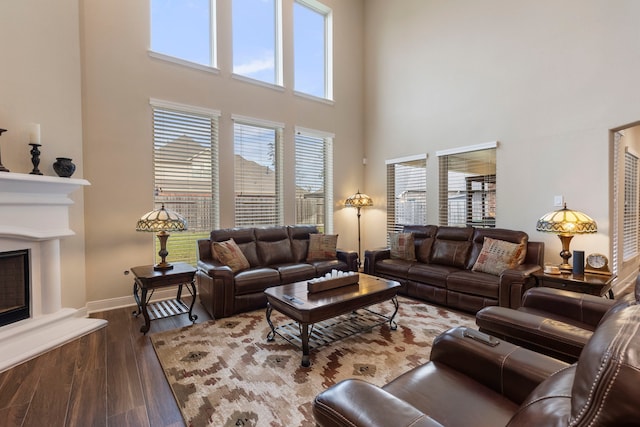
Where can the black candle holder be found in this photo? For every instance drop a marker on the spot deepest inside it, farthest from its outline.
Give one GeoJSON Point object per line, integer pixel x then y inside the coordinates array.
{"type": "Point", "coordinates": [2, 168]}
{"type": "Point", "coordinates": [35, 158]}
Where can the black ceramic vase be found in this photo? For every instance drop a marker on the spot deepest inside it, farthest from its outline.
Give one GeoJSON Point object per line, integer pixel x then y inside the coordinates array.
{"type": "Point", "coordinates": [64, 167]}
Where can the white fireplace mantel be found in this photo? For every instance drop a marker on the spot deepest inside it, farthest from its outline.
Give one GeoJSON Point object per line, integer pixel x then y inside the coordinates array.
{"type": "Point", "coordinates": [34, 215]}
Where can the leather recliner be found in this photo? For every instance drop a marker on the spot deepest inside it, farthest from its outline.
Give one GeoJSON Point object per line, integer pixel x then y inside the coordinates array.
{"type": "Point", "coordinates": [551, 321]}
{"type": "Point", "coordinates": [468, 383]}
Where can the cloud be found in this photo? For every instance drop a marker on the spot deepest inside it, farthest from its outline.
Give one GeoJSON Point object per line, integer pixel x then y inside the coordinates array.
{"type": "Point", "coordinates": [254, 66]}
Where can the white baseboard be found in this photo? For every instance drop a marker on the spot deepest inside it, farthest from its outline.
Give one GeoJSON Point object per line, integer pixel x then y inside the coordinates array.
{"type": "Point", "coordinates": [119, 302]}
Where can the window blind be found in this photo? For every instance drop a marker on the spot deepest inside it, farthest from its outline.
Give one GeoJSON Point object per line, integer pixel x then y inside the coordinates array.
{"type": "Point", "coordinates": [313, 172]}
{"type": "Point", "coordinates": [630, 215]}
{"type": "Point", "coordinates": [406, 192]}
{"type": "Point", "coordinates": [185, 157]}
{"type": "Point", "coordinates": [258, 179]}
{"type": "Point", "coordinates": [467, 182]}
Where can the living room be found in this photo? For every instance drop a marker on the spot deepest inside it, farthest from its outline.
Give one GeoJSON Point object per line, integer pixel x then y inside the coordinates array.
{"type": "Point", "coordinates": [550, 82]}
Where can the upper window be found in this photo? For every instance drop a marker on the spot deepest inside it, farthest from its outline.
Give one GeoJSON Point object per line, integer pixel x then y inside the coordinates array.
{"type": "Point", "coordinates": [467, 179]}
{"type": "Point", "coordinates": [314, 167]}
{"type": "Point", "coordinates": [184, 30]}
{"type": "Point", "coordinates": [258, 176]}
{"type": "Point", "coordinates": [256, 40]}
{"type": "Point", "coordinates": [406, 192]}
{"type": "Point", "coordinates": [312, 48]}
{"type": "Point", "coordinates": [185, 159]}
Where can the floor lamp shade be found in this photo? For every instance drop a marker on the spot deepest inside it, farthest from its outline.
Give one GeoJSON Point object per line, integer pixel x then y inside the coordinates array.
{"type": "Point", "coordinates": [161, 221]}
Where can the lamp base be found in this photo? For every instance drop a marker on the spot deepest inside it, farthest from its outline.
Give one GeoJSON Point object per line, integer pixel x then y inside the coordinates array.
{"type": "Point", "coordinates": [162, 266]}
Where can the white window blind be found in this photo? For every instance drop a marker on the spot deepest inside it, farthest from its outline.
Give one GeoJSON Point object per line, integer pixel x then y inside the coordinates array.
{"type": "Point", "coordinates": [185, 172]}
{"type": "Point", "coordinates": [631, 213]}
{"type": "Point", "coordinates": [467, 181]}
{"type": "Point", "coordinates": [258, 179]}
{"type": "Point", "coordinates": [406, 192]}
{"type": "Point", "coordinates": [314, 169]}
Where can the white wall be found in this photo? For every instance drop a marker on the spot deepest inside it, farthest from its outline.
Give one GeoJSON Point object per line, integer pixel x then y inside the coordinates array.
{"type": "Point", "coordinates": [119, 78]}
{"type": "Point", "coordinates": [40, 83]}
{"type": "Point", "coordinates": [546, 79]}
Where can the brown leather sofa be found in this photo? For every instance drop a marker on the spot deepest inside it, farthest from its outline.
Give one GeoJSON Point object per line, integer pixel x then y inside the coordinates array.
{"type": "Point", "coordinates": [468, 383]}
{"type": "Point", "coordinates": [277, 255]}
{"type": "Point", "coordinates": [442, 272]}
{"type": "Point", "coordinates": [552, 321]}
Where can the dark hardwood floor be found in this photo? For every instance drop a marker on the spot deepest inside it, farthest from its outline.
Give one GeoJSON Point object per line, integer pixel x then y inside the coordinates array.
{"type": "Point", "coordinates": [110, 377]}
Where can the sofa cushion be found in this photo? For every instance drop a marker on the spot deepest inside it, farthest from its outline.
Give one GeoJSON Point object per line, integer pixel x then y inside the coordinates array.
{"type": "Point", "coordinates": [394, 267]}
{"type": "Point", "coordinates": [423, 236]}
{"type": "Point", "coordinates": [230, 255]}
{"type": "Point", "coordinates": [273, 246]}
{"type": "Point", "coordinates": [474, 283]}
{"type": "Point", "coordinates": [402, 246]}
{"type": "Point", "coordinates": [433, 274]}
{"type": "Point", "coordinates": [291, 273]}
{"type": "Point", "coordinates": [245, 238]}
{"type": "Point", "coordinates": [255, 280]}
{"type": "Point", "coordinates": [452, 246]}
{"type": "Point", "coordinates": [322, 247]}
{"type": "Point", "coordinates": [326, 265]}
{"type": "Point", "coordinates": [299, 235]}
{"type": "Point", "coordinates": [498, 255]}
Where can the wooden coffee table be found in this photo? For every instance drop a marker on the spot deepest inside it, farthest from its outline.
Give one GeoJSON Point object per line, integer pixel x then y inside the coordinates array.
{"type": "Point", "coordinates": [313, 309]}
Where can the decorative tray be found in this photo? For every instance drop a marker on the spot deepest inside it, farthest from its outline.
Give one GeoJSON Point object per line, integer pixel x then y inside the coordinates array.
{"type": "Point", "coordinates": [325, 283]}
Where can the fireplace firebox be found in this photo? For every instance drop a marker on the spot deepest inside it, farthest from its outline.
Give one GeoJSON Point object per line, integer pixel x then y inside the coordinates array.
{"type": "Point", "coordinates": [14, 286]}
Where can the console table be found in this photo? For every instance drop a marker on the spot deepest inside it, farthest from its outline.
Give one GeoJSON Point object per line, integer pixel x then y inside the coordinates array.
{"type": "Point", "coordinates": [593, 284]}
{"type": "Point", "coordinates": [147, 279]}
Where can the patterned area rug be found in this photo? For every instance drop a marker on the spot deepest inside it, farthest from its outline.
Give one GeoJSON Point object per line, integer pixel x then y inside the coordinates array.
{"type": "Point", "coordinates": [226, 373]}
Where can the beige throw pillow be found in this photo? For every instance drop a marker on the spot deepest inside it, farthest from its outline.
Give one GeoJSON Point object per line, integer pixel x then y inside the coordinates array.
{"type": "Point", "coordinates": [497, 256]}
{"type": "Point", "coordinates": [322, 247]}
{"type": "Point", "coordinates": [230, 255]}
{"type": "Point", "coordinates": [402, 246]}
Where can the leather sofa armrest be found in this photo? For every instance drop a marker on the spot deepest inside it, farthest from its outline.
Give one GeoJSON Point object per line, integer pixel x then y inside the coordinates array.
{"type": "Point", "coordinates": [355, 402]}
{"type": "Point", "coordinates": [215, 269]}
{"type": "Point", "coordinates": [507, 369]}
{"type": "Point", "coordinates": [348, 257]}
{"type": "Point", "coordinates": [581, 307]}
{"type": "Point", "coordinates": [514, 283]}
{"type": "Point", "coordinates": [372, 256]}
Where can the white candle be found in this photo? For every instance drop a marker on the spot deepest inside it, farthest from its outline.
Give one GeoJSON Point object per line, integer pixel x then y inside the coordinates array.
{"type": "Point", "coordinates": [34, 133]}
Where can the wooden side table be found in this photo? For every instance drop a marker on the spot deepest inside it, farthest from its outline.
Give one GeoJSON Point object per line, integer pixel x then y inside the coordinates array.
{"type": "Point", "coordinates": [147, 279]}
{"type": "Point", "coordinates": [593, 284]}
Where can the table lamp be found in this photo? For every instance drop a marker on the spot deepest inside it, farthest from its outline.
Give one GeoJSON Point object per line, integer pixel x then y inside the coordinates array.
{"type": "Point", "coordinates": [161, 221]}
{"type": "Point", "coordinates": [358, 200]}
{"type": "Point", "coordinates": [565, 223]}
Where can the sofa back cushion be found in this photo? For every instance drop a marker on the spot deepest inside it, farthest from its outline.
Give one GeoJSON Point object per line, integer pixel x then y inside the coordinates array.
{"type": "Point", "coordinates": [274, 246]}
{"type": "Point", "coordinates": [513, 236]}
{"type": "Point", "coordinates": [423, 237]}
{"type": "Point", "coordinates": [245, 238]}
{"type": "Point", "coordinates": [452, 246]}
{"type": "Point", "coordinates": [299, 236]}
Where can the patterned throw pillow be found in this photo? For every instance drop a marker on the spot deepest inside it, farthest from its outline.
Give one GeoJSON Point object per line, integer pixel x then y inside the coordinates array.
{"type": "Point", "coordinates": [322, 247]}
{"type": "Point", "coordinates": [402, 246]}
{"type": "Point", "coordinates": [498, 255]}
{"type": "Point", "coordinates": [230, 255]}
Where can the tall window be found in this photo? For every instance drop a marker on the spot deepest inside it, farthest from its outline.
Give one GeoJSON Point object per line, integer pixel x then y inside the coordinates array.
{"type": "Point", "coordinates": [185, 153]}
{"type": "Point", "coordinates": [257, 41]}
{"type": "Point", "coordinates": [314, 171]}
{"type": "Point", "coordinates": [467, 179]}
{"type": "Point", "coordinates": [258, 176]}
{"type": "Point", "coordinates": [312, 36]}
{"type": "Point", "coordinates": [631, 213]}
{"type": "Point", "coordinates": [184, 30]}
{"type": "Point", "coordinates": [406, 192]}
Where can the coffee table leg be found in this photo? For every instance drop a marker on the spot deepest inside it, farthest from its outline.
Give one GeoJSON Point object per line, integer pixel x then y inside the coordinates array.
{"type": "Point", "coordinates": [393, 325]}
{"type": "Point", "coordinates": [304, 334]}
{"type": "Point", "coordinates": [271, 335]}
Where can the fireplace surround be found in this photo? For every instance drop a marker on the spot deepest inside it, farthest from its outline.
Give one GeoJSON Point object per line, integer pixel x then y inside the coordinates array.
{"type": "Point", "coordinates": [34, 217]}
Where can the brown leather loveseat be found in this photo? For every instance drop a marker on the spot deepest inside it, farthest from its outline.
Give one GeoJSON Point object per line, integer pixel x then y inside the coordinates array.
{"type": "Point", "coordinates": [275, 256]}
{"type": "Point", "coordinates": [468, 383]}
{"type": "Point", "coordinates": [443, 269]}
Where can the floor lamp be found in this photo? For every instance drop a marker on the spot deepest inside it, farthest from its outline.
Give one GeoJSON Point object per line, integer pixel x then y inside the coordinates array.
{"type": "Point", "coordinates": [358, 200]}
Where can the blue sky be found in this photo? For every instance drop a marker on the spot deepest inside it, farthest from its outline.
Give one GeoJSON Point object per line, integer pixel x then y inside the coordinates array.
{"type": "Point", "coordinates": [181, 28]}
